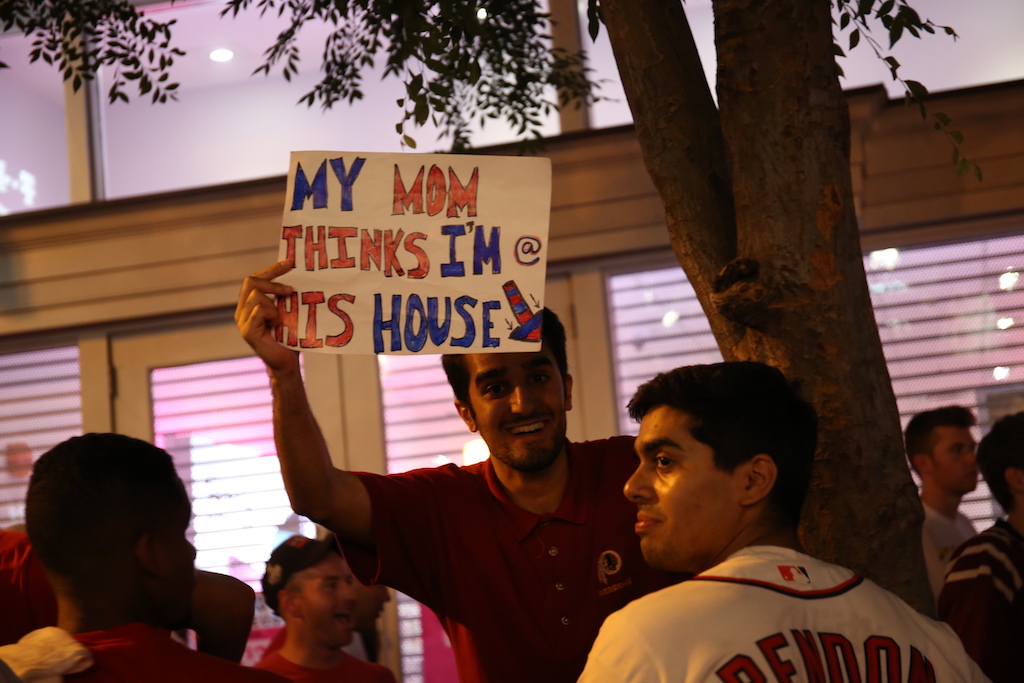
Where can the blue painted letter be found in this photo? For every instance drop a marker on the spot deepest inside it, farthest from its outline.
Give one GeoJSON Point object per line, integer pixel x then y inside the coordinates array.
{"type": "Point", "coordinates": [393, 325]}
{"type": "Point", "coordinates": [482, 252]}
{"type": "Point", "coordinates": [453, 268]}
{"type": "Point", "coordinates": [487, 324]}
{"type": "Point", "coordinates": [303, 191]}
{"type": "Point", "coordinates": [347, 179]}
{"type": "Point", "coordinates": [465, 340]}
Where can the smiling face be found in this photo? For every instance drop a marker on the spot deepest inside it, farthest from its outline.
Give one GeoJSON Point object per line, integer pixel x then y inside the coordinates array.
{"type": "Point", "coordinates": [517, 401]}
{"type": "Point", "coordinates": [690, 514]}
{"type": "Point", "coordinates": [318, 601]}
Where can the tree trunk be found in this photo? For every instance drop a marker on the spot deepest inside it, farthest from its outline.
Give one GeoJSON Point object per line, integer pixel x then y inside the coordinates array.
{"type": "Point", "coordinates": [759, 204]}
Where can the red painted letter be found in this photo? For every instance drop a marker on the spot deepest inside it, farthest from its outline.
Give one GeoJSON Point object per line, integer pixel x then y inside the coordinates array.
{"type": "Point", "coordinates": [291, 233]}
{"type": "Point", "coordinates": [403, 199]}
{"type": "Point", "coordinates": [316, 247]}
{"type": "Point", "coordinates": [369, 249]}
{"type": "Point", "coordinates": [422, 261]}
{"type": "Point", "coordinates": [460, 197]}
{"type": "Point", "coordinates": [437, 193]}
{"type": "Point", "coordinates": [342, 234]}
{"type": "Point", "coordinates": [288, 311]}
{"type": "Point", "coordinates": [332, 305]}
{"type": "Point", "coordinates": [311, 299]}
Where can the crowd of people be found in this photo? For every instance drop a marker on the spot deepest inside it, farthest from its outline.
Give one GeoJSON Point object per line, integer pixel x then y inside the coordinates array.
{"type": "Point", "coordinates": [671, 557]}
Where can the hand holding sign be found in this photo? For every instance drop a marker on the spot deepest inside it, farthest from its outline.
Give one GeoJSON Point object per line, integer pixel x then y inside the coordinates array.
{"type": "Point", "coordinates": [409, 253]}
{"type": "Point", "coordinates": [256, 315]}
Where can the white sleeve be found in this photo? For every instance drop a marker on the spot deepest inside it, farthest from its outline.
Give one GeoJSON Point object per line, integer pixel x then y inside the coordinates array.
{"type": "Point", "coordinates": [620, 655]}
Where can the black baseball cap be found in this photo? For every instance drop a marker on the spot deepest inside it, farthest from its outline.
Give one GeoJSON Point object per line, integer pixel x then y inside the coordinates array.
{"type": "Point", "coordinates": [294, 555]}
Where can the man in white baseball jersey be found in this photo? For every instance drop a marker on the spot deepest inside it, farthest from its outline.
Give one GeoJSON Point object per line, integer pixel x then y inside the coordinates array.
{"type": "Point", "coordinates": [725, 459]}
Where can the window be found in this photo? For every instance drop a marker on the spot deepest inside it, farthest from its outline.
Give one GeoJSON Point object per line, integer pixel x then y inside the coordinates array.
{"type": "Point", "coordinates": [422, 429]}
{"type": "Point", "coordinates": [950, 318]}
{"type": "Point", "coordinates": [33, 142]}
{"type": "Point", "coordinates": [216, 420]}
{"type": "Point", "coordinates": [229, 124]}
{"type": "Point", "coordinates": [40, 406]}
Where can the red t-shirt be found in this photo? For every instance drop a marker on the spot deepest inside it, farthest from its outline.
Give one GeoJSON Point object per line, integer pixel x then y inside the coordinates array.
{"type": "Point", "coordinates": [139, 652]}
{"type": "Point", "coordinates": [27, 601]}
{"type": "Point", "coordinates": [521, 596]}
{"type": "Point", "coordinates": [349, 670]}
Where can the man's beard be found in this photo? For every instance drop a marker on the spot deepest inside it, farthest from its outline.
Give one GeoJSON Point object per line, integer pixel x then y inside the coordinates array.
{"type": "Point", "coordinates": [536, 458]}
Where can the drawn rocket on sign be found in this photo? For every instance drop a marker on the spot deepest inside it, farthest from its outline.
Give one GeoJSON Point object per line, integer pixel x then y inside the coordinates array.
{"type": "Point", "coordinates": [529, 323]}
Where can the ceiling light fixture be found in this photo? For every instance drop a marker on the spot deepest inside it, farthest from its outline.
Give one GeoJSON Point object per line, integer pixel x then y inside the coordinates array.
{"type": "Point", "coordinates": [222, 54]}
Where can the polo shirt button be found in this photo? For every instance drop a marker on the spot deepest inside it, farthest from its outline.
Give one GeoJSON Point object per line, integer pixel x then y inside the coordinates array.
{"type": "Point", "coordinates": [559, 586]}
{"type": "Point", "coordinates": [565, 621]}
{"type": "Point", "coordinates": [552, 551]}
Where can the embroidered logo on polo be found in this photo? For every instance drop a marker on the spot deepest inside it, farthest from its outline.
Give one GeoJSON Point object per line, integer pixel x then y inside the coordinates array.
{"type": "Point", "coordinates": [609, 562]}
{"type": "Point", "coordinates": [794, 574]}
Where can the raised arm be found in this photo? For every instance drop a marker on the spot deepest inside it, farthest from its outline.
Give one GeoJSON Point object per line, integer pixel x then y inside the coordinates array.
{"type": "Point", "coordinates": [332, 497]}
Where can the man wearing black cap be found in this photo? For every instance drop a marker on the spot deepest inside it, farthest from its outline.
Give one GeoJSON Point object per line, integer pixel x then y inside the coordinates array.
{"type": "Point", "coordinates": [308, 584]}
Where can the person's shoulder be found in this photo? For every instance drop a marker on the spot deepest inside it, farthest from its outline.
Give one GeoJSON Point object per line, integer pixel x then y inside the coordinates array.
{"type": "Point", "coordinates": [423, 481]}
{"type": "Point", "coordinates": [213, 669]}
{"type": "Point", "coordinates": [274, 662]}
{"type": "Point", "coordinates": [999, 539]}
{"type": "Point", "coordinates": [995, 555]}
{"type": "Point", "coordinates": [151, 651]}
{"type": "Point", "coordinates": [361, 671]}
{"type": "Point", "coordinates": [14, 546]}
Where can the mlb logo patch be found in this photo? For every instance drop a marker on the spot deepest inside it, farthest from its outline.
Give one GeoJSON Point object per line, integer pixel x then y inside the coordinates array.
{"type": "Point", "coordinates": [794, 574]}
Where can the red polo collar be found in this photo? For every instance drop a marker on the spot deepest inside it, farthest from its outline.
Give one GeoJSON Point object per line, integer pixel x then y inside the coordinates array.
{"type": "Point", "coordinates": [572, 509]}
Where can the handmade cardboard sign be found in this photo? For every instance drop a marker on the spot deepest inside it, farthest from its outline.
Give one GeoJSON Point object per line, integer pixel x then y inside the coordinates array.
{"type": "Point", "coordinates": [414, 253]}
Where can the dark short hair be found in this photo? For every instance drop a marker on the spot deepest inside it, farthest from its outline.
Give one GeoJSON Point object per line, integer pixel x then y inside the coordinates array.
{"type": "Point", "coordinates": [552, 338]}
{"type": "Point", "coordinates": [1002, 447]}
{"type": "Point", "coordinates": [919, 436]}
{"type": "Point", "coordinates": [94, 495]}
{"type": "Point", "coordinates": [741, 409]}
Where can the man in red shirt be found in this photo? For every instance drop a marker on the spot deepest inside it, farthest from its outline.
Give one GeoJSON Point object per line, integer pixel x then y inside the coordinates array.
{"type": "Point", "coordinates": [308, 584]}
{"type": "Point", "coordinates": [106, 515]}
{"type": "Point", "coordinates": [521, 556]}
{"type": "Point", "coordinates": [222, 606]}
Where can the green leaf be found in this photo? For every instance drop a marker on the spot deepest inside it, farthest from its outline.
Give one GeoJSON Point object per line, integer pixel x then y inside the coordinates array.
{"type": "Point", "coordinates": [854, 38]}
{"type": "Point", "coordinates": [977, 172]}
{"type": "Point", "coordinates": [895, 31]}
{"type": "Point", "coordinates": [957, 136]}
{"type": "Point", "coordinates": [593, 19]}
{"type": "Point", "coordinates": [886, 7]}
{"type": "Point", "coordinates": [917, 90]}
{"type": "Point", "coordinates": [844, 20]}
{"type": "Point", "coordinates": [962, 167]}
{"type": "Point", "coordinates": [941, 118]}
{"type": "Point", "coordinates": [409, 141]}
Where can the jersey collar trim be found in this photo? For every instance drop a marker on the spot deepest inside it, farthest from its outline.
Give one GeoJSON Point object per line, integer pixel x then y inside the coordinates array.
{"type": "Point", "coordinates": [844, 587]}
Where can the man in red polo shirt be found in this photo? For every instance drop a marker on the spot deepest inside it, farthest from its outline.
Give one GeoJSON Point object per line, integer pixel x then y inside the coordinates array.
{"type": "Point", "coordinates": [521, 556]}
